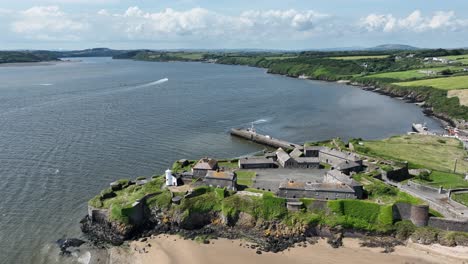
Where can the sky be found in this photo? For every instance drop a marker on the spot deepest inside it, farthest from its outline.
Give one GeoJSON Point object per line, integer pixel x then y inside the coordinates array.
{"type": "Point", "coordinates": [219, 24]}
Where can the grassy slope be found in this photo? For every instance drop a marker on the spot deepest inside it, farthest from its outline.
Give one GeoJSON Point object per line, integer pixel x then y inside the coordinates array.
{"type": "Point", "coordinates": [449, 83]}
{"type": "Point", "coordinates": [421, 151]}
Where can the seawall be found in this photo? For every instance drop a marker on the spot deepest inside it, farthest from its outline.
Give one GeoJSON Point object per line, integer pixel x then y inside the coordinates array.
{"type": "Point", "coordinates": [263, 139]}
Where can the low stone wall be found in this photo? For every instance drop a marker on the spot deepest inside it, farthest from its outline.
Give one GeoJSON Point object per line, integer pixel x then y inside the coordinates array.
{"type": "Point", "coordinates": [448, 224]}
{"type": "Point", "coordinates": [425, 188]}
{"type": "Point", "coordinates": [455, 191]}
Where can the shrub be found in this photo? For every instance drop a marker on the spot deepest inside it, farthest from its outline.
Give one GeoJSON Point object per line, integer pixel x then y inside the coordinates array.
{"type": "Point", "coordinates": [107, 193]}
{"type": "Point", "coordinates": [141, 178]}
{"type": "Point", "coordinates": [404, 229]}
{"type": "Point", "coordinates": [424, 176]}
{"type": "Point", "coordinates": [377, 189]}
{"type": "Point", "coordinates": [272, 207]}
{"type": "Point", "coordinates": [425, 235]}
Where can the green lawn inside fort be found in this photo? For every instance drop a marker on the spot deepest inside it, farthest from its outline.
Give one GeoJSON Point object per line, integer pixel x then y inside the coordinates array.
{"type": "Point", "coordinates": [445, 179]}
{"type": "Point", "coordinates": [245, 178]}
{"type": "Point", "coordinates": [461, 198]}
{"type": "Point", "coordinates": [421, 151]}
{"type": "Point", "coordinates": [447, 83]}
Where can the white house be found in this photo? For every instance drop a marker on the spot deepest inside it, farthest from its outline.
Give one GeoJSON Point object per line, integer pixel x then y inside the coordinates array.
{"type": "Point", "coordinates": [170, 179]}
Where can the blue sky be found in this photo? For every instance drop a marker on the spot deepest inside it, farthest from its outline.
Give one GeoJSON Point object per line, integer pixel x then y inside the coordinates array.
{"type": "Point", "coordinates": [287, 24]}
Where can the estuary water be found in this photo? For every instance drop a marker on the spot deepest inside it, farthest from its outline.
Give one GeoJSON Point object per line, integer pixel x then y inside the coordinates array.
{"type": "Point", "coordinates": [67, 130]}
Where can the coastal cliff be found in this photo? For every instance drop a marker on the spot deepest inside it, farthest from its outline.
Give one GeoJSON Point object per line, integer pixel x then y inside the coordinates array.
{"type": "Point", "coordinates": [205, 212]}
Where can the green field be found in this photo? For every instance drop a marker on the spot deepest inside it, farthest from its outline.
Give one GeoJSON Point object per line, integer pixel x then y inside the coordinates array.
{"type": "Point", "coordinates": [446, 180]}
{"type": "Point", "coordinates": [461, 198]}
{"type": "Point", "coordinates": [188, 55]}
{"type": "Point", "coordinates": [430, 152]}
{"type": "Point", "coordinates": [448, 83]}
{"type": "Point", "coordinates": [359, 57]}
{"type": "Point", "coordinates": [458, 58]}
{"type": "Point", "coordinates": [280, 57]}
{"type": "Point", "coordinates": [411, 74]}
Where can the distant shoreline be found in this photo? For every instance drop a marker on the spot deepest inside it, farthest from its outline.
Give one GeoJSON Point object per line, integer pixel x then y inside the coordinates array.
{"type": "Point", "coordinates": [38, 63]}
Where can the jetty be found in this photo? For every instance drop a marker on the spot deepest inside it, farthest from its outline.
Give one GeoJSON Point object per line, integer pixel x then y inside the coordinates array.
{"type": "Point", "coordinates": [252, 135]}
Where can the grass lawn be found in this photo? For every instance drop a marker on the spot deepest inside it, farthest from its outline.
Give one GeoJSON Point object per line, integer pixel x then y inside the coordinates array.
{"type": "Point", "coordinates": [430, 152]}
{"type": "Point", "coordinates": [461, 198]}
{"type": "Point", "coordinates": [411, 74]}
{"type": "Point", "coordinates": [447, 83]}
{"type": "Point", "coordinates": [458, 58]}
{"type": "Point", "coordinates": [446, 180]}
{"type": "Point", "coordinates": [359, 57]}
{"type": "Point", "coordinates": [229, 164]}
{"type": "Point", "coordinates": [245, 177]}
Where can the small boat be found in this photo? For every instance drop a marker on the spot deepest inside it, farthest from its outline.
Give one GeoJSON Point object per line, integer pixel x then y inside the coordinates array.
{"type": "Point", "coordinates": [420, 128]}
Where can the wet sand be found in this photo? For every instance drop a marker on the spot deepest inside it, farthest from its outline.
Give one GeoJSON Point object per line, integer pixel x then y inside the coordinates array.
{"type": "Point", "coordinates": [173, 249]}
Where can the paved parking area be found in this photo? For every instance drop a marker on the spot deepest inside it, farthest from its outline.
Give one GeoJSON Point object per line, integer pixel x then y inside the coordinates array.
{"type": "Point", "coordinates": [269, 179]}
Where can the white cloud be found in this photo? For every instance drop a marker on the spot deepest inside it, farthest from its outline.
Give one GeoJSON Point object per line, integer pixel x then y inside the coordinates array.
{"type": "Point", "coordinates": [47, 22]}
{"type": "Point", "coordinates": [440, 20]}
{"type": "Point", "coordinates": [202, 23]}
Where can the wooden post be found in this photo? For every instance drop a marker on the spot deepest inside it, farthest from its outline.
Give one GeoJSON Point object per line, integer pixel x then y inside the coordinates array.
{"type": "Point", "coordinates": [455, 167]}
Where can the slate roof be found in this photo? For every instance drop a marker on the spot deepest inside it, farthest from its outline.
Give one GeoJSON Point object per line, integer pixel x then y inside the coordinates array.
{"type": "Point", "coordinates": [282, 155]}
{"type": "Point", "coordinates": [206, 164]}
{"type": "Point", "coordinates": [255, 160]}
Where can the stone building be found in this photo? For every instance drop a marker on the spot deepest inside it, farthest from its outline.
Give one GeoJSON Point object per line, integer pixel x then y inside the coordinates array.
{"type": "Point", "coordinates": [204, 165]}
{"type": "Point", "coordinates": [257, 163]}
{"type": "Point", "coordinates": [335, 157]}
{"type": "Point", "coordinates": [221, 179]}
{"type": "Point", "coordinates": [311, 151]}
{"type": "Point", "coordinates": [284, 160]}
{"type": "Point", "coordinates": [337, 177]}
{"type": "Point", "coordinates": [347, 167]}
{"type": "Point", "coordinates": [307, 162]}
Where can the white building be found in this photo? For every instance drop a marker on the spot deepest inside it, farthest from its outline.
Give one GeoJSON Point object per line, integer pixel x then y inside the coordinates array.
{"type": "Point", "coordinates": [170, 179]}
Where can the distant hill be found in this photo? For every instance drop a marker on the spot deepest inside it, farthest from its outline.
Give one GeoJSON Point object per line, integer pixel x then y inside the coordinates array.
{"type": "Point", "coordinates": [27, 56]}
{"type": "Point", "coordinates": [95, 52]}
{"type": "Point", "coordinates": [392, 47]}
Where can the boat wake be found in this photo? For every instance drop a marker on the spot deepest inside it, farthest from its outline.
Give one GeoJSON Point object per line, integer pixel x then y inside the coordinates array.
{"type": "Point", "coordinates": [45, 84]}
{"type": "Point", "coordinates": [163, 80]}
{"type": "Point", "coordinates": [259, 121]}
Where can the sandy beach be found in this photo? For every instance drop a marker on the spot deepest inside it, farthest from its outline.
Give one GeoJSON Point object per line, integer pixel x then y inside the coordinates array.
{"type": "Point", "coordinates": [165, 249]}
